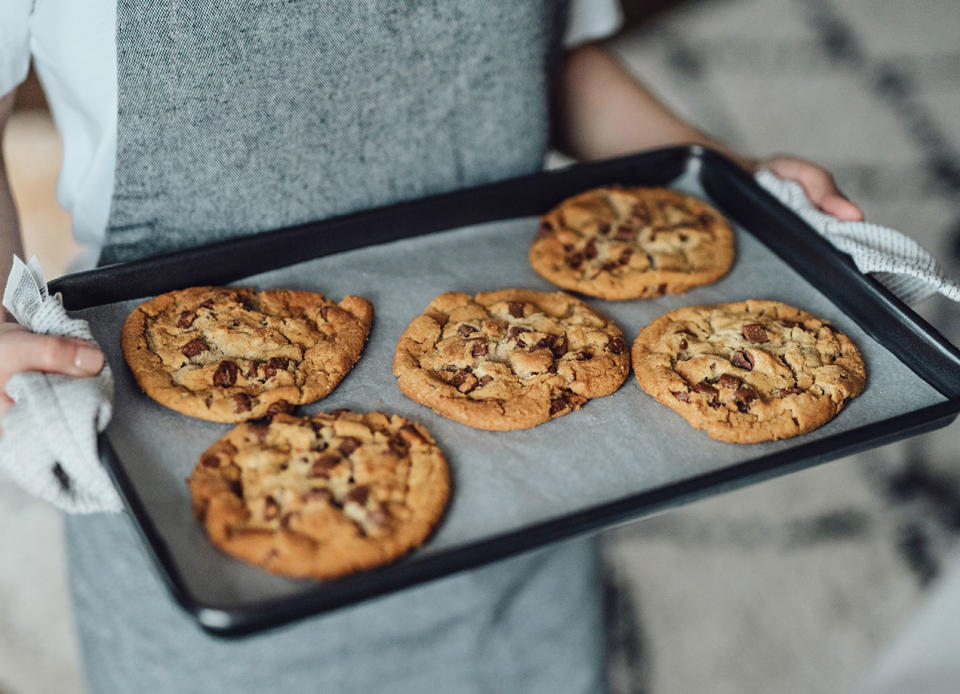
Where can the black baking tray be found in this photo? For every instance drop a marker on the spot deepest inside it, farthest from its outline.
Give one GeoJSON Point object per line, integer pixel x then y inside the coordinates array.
{"type": "Point", "coordinates": [880, 314]}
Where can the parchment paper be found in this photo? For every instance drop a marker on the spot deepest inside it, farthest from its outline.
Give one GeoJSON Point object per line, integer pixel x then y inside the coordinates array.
{"type": "Point", "coordinates": [614, 447]}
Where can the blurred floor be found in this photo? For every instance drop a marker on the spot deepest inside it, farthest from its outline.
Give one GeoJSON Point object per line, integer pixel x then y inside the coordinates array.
{"type": "Point", "coordinates": [793, 585]}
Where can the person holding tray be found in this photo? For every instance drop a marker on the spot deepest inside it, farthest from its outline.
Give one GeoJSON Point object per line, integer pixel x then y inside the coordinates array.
{"type": "Point", "coordinates": [193, 122]}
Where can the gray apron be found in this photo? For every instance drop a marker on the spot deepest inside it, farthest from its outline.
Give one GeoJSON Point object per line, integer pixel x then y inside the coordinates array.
{"type": "Point", "coordinates": [236, 117]}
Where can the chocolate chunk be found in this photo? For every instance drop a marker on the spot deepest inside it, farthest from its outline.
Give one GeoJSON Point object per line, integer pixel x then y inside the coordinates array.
{"type": "Point", "coordinates": [260, 431]}
{"type": "Point", "coordinates": [186, 319]}
{"type": "Point", "coordinates": [410, 436]}
{"type": "Point", "coordinates": [744, 397]}
{"type": "Point", "coordinates": [625, 256]}
{"type": "Point", "coordinates": [322, 465]}
{"type": "Point", "coordinates": [358, 495]}
{"type": "Point", "coordinates": [545, 342]}
{"type": "Point", "coordinates": [270, 508]}
{"type": "Point", "coordinates": [755, 333]}
{"type": "Point", "coordinates": [275, 364]}
{"type": "Point", "coordinates": [624, 233]}
{"type": "Point", "coordinates": [603, 228]}
{"type": "Point", "coordinates": [207, 304]}
{"type": "Point", "coordinates": [784, 392]}
{"type": "Point", "coordinates": [683, 343]}
{"type": "Point", "coordinates": [249, 303]}
{"type": "Point", "coordinates": [704, 387]}
{"type": "Point", "coordinates": [742, 359]}
{"type": "Point", "coordinates": [479, 348]}
{"type": "Point", "coordinates": [459, 378]}
{"type": "Point", "coordinates": [210, 461]}
{"type": "Point", "coordinates": [226, 374]}
{"type": "Point", "coordinates": [279, 363]}
{"type": "Point", "coordinates": [324, 312]}
{"type": "Point", "coordinates": [485, 380]}
{"type": "Point", "coordinates": [558, 404]}
{"type": "Point", "coordinates": [728, 381]}
{"type": "Point", "coordinates": [278, 407]}
{"type": "Point", "coordinates": [194, 347]}
{"type": "Point", "coordinates": [661, 288]}
{"type": "Point", "coordinates": [515, 308]}
{"type": "Point", "coordinates": [559, 347]}
{"type": "Point", "coordinates": [544, 230]}
{"type": "Point", "coordinates": [639, 217]}
{"type": "Point", "coordinates": [254, 369]}
{"type": "Point", "coordinates": [514, 332]}
{"type": "Point", "coordinates": [582, 355]}
{"type": "Point", "coordinates": [682, 396]}
{"type": "Point", "coordinates": [468, 383]}
{"type": "Point", "coordinates": [576, 260]}
{"type": "Point", "coordinates": [590, 250]}
{"type": "Point", "coordinates": [242, 401]}
{"type": "Point", "coordinates": [465, 330]}
{"type": "Point", "coordinates": [236, 488]}
{"type": "Point", "coordinates": [616, 345]}
{"type": "Point", "coordinates": [791, 323]}
{"type": "Point", "coordinates": [348, 445]}
{"type": "Point", "coordinates": [609, 266]}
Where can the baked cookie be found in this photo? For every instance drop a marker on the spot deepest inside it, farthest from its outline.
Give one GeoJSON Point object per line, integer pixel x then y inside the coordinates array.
{"type": "Point", "coordinates": [228, 354]}
{"type": "Point", "coordinates": [620, 242]}
{"type": "Point", "coordinates": [321, 496]}
{"type": "Point", "coordinates": [748, 371]}
{"type": "Point", "coordinates": [509, 359]}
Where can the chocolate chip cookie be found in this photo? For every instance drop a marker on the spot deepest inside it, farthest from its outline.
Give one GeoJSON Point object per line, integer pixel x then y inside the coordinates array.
{"type": "Point", "coordinates": [619, 242]}
{"type": "Point", "coordinates": [509, 359]}
{"type": "Point", "coordinates": [748, 371]}
{"type": "Point", "coordinates": [321, 496]}
{"type": "Point", "coordinates": [228, 355]}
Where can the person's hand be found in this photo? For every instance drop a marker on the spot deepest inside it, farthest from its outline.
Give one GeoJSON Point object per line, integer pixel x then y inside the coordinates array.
{"type": "Point", "coordinates": [22, 350]}
{"type": "Point", "coordinates": [817, 183]}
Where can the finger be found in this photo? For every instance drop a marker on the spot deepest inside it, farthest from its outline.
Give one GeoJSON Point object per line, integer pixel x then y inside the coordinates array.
{"type": "Point", "coordinates": [819, 186]}
{"type": "Point", "coordinates": [50, 354]}
{"type": "Point", "coordinates": [841, 208]}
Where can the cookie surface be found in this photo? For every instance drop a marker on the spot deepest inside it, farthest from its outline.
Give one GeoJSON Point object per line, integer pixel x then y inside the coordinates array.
{"type": "Point", "coordinates": [509, 359]}
{"type": "Point", "coordinates": [321, 496]}
{"type": "Point", "coordinates": [748, 371]}
{"type": "Point", "coordinates": [619, 242]}
{"type": "Point", "coordinates": [229, 355]}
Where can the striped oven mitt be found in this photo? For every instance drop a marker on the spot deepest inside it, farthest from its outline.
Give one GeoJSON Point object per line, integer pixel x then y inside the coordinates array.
{"type": "Point", "coordinates": [49, 440]}
{"type": "Point", "coordinates": [897, 261]}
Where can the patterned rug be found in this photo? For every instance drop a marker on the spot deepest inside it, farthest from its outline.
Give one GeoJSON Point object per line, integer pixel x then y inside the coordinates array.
{"type": "Point", "coordinates": [797, 584]}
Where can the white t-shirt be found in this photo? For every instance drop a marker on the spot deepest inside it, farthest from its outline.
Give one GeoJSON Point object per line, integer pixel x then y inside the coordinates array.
{"type": "Point", "coordinates": [74, 49]}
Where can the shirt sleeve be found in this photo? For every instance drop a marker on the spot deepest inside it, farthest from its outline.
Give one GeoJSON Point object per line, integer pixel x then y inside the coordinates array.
{"type": "Point", "coordinates": [14, 43]}
{"type": "Point", "coordinates": [591, 20]}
